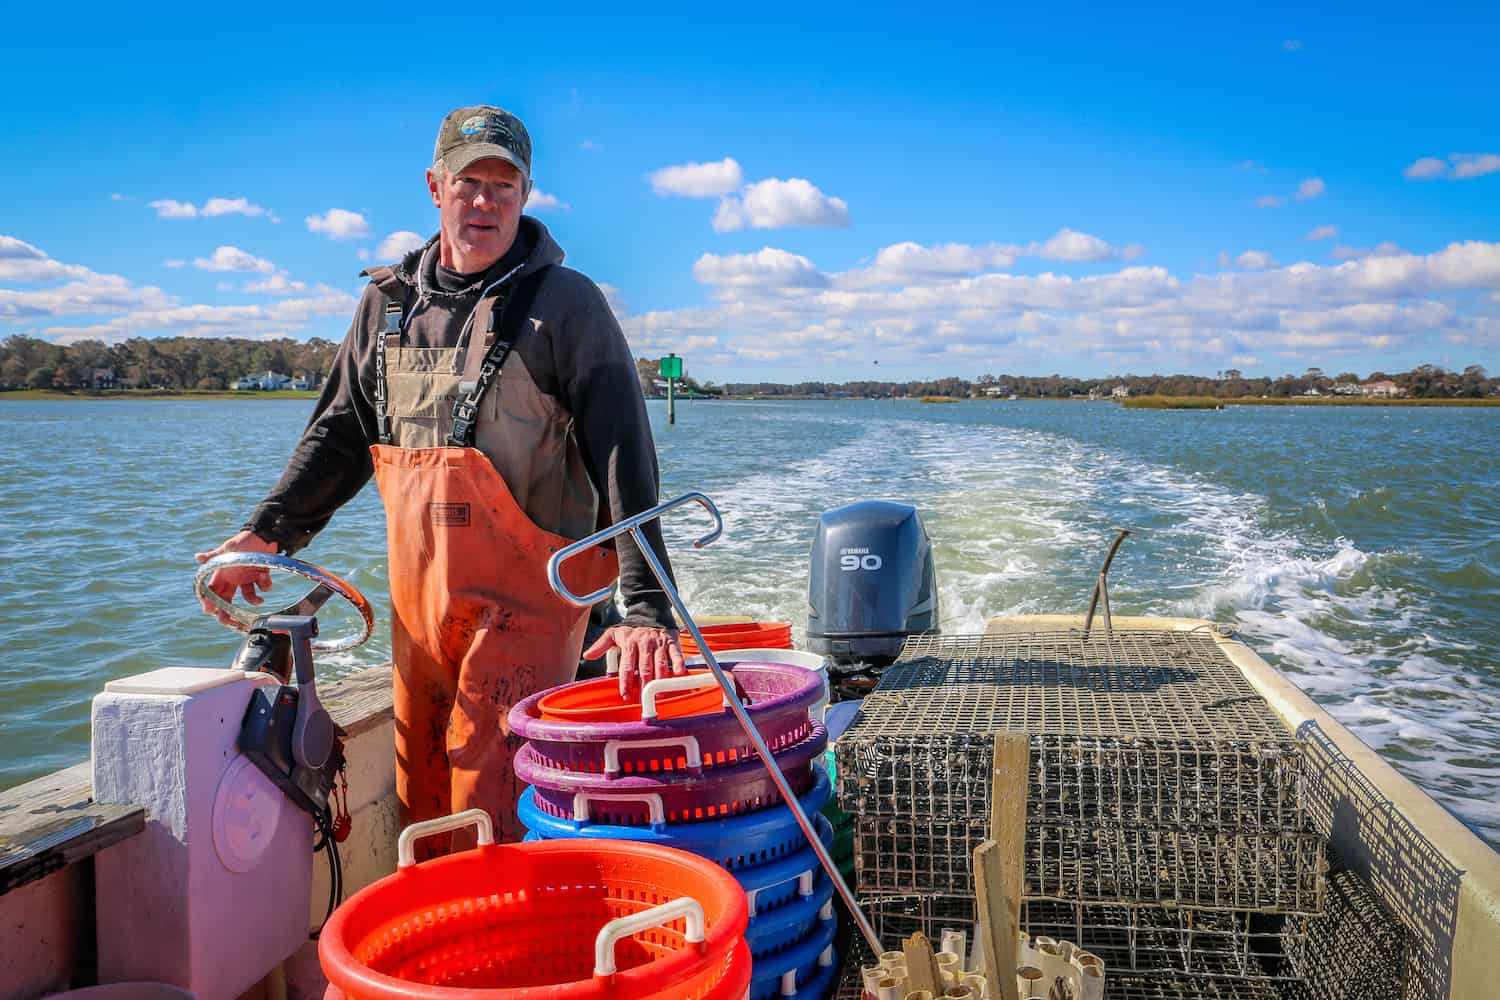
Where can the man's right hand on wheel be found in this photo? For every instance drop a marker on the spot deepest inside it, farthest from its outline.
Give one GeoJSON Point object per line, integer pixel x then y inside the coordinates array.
{"type": "Point", "coordinates": [248, 580]}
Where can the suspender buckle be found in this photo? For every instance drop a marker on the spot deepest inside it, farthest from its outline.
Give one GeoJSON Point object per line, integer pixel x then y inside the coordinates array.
{"type": "Point", "coordinates": [393, 317]}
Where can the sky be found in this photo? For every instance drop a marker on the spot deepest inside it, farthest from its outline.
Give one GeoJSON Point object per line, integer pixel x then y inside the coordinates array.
{"type": "Point", "coordinates": [808, 192]}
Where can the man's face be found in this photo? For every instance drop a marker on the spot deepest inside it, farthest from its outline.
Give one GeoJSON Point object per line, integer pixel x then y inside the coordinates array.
{"type": "Point", "coordinates": [479, 208]}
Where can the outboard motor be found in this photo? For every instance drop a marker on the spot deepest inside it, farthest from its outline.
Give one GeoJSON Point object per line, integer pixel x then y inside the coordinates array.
{"type": "Point", "coordinates": [872, 584]}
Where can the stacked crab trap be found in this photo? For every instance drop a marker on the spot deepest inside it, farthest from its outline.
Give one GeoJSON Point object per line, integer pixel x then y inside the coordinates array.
{"type": "Point", "coordinates": [678, 770]}
{"type": "Point", "coordinates": [1165, 828]}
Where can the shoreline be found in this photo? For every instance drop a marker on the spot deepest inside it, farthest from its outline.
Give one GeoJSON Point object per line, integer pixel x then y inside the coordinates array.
{"type": "Point", "coordinates": [209, 394]}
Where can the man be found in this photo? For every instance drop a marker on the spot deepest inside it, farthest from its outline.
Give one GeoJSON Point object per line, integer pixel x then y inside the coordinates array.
{"type": "Point", "coordinates": [490, 392]}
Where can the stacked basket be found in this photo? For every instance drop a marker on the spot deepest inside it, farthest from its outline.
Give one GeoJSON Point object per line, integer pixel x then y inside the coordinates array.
{"type": "Point", "coordinates": [555, 921]}
{"type": "Point", "coordinates": [677, 770]}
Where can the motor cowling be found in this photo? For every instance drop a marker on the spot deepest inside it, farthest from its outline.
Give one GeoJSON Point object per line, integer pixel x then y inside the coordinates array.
{"type": "Point", "coordinates": [872, 582]}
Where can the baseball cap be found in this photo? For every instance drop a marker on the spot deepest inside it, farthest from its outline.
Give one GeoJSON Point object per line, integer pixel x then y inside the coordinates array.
{"type": "Point", "coordinates": [479, 132]}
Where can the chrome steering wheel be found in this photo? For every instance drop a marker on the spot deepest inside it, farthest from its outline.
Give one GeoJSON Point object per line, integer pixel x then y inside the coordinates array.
{"type": "Point", "coordinates": [327, 585]}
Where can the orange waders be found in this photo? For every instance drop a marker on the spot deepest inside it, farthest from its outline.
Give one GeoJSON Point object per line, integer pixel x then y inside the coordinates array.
{"type": "Point", "coordinates": [475, 626]}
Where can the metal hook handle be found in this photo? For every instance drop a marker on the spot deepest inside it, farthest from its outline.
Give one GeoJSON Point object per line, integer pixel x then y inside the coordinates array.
{"type": "Point", "coordinates": [630, 524]}
{"type": "Point", "coordinates": [788, 794]}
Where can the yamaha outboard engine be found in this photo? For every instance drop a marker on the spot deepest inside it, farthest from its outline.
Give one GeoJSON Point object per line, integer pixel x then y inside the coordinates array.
{"type": "Point", "coordinates": [872, 584]}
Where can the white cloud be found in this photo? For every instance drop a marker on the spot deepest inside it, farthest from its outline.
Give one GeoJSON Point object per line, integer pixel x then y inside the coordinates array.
{"type": "Point", "coordinates": [233, 259]}
{"type": "Point", "coordinates": [1470, 165]}
{"type": "Point", "coordinates": [1292, 45]}
{"type": "Point", "coordinates": [541, 201]}
{"type": "Point", "coordinates": [773, 306]}
{"type": "Point", "coordinates": [1252, 166]}
{"type": "Point", "coordinates": [697, 180]}
{"type": "Point", "coordinates": [770, 268]}
{"type": "Point", "coordinates": [1268, 201]}
{"type": "Point", "coordinates": [615, 298]}
{"type": "Point", "coordinates": [339, 224]}
{"type": "Point", "coordinates": [1323, 233]}
{"type": "Point", "coordinates": [777, 204]}
{"type": "Point", "coordinates": [174, 263]}
{"type": "Point", "coordinates": [1386, 249]}
{"type": "Point", "coordinates": [232, 206]}
{"type": "Point", "coordinates": [398, 244]}
{"type": "Point", "coordinates": [1426, 168]}
{"type": "Point", "coordinates": [1464, 166]}
{"type": "Point", "coordinates": [20, 261]}
{"type": "Point", "coordinates": [166, 208]}
{"type": "Point", "coordinates": [276, 284]}
{"type": "Point", "coordinates": [1254, 260]}
{"type": "Point", "coordinates": [908, 260]}
{"type": "Point", "coordinates": [590, 146]}
{"type": "Point", "coordinates": [1069, 244]}
{"type": "Point", "coordinates": [1311, 188]}
{"type": "Point", "coordinates": [117, 196]}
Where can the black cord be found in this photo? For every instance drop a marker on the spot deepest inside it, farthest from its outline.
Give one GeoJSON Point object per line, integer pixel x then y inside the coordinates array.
{"type": "Point", "coordinates": [335, 867]}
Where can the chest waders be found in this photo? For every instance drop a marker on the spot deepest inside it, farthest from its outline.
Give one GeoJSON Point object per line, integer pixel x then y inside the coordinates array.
{"type": "Point", "coordinates": [475, 626]}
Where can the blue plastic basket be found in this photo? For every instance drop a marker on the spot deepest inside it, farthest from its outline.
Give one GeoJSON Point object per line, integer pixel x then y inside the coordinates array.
{"type": "Point", "coordinates": [778, 882]}
{"type": "Point", "coordinates": [776, 930]}
{"type": "Point", "coordinates": [810, 965]}
{"type": "Point", "coordinates": [737, 842]}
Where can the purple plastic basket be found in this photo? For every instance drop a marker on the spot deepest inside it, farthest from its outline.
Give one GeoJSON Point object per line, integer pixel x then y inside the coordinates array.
{"type": "Point", "coordinates": [780, 697]}
{"type": "Point", "coordinates": [654, 800]}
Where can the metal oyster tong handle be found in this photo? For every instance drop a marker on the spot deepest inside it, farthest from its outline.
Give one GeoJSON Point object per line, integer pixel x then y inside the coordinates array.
{"type": "Point", "coordinates": [633, 526]}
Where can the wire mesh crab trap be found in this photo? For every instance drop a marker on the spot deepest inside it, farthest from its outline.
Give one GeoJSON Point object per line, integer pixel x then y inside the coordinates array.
{"type": "Point", "coordinates": [1166, 829]}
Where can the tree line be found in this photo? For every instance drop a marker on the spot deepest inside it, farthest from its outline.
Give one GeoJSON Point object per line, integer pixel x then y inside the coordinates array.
{"type": "Point", "coordinates": [157, 363]}
{"type": "Point", "coordinates": [1422, 382]}
{"type": "Point", "coordinates": [217, 362]}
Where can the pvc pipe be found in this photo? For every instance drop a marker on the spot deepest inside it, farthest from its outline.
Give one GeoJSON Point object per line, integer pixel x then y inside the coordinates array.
{"type": "Point", "coordinates": [947, 961]}
{"type": "Point", "coordinates": [1028, 980]}
{"type": "Point", "coordinates": [919, 995]}
{"type": "Point", "coordinates": [889, 958]}
{"type": "Point", "coordinates": [954, 942]}
{"type": "Point", "coordinates": [978, 986]}
{"type": "Point", "coordinates": [889, 989]}
{"type": "Point", "coordinates": [1093, 982]}
{"type": "Point", "coordinates": [959, 993]}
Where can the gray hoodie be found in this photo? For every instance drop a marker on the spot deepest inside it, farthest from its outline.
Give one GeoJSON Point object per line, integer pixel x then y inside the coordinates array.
{"type": "Point", "coordinates": [565, 424]}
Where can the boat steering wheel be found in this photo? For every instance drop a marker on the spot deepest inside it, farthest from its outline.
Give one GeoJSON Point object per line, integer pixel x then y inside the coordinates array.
{"type": "Point", "coordinates": [242, 619]}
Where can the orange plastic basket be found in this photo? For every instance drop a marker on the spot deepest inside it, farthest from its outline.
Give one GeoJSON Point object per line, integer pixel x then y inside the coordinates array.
{"type": "Point", "coordinates": [520, 921]}
{"type": "Point", "coordinates": [599, 701]}
{"type": "Point", "coordinates": [740, 635]}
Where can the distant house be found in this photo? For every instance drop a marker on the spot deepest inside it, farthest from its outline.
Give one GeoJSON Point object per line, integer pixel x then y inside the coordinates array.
{"type": "Point", "coordinates": [1346, 389]}
{"type": "Point", "coordinates": [1312, 393]}
{"type": "Point", "coordinates": [1383, 388]}
{"type": "Point", "coordinates": [997, 390]}
{"type": "Point", "coordinates": [1120, 392]}
{"type": "Point", "coordinates": [103, 378]}
{"type": "Point", "coordinates": [306, 381]}
{"type": "Point", "coordinates": [265, 381]}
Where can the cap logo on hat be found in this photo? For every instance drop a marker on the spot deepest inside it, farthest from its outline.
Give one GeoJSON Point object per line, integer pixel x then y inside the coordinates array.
{"type": "Point", "coordinates": [471, 133]}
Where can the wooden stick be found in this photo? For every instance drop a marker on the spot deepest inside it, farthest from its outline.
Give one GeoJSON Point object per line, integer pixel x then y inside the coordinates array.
{"type": "Point", "coordinates": [999, 863]}
{"type": "Point", "coordinates": [922, 971]}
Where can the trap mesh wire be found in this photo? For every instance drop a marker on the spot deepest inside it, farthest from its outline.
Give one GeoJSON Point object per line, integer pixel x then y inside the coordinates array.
{"type": "Point", "coordinates": [1271, 872]}
{"type": "Point", "coordinates": [1355, 950]}
{"type": "Point", "coordinates": [1157, 728]}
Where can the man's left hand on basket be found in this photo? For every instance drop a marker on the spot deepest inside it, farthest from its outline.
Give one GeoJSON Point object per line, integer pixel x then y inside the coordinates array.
{"type": "Point", "coordinates": [645, 654]}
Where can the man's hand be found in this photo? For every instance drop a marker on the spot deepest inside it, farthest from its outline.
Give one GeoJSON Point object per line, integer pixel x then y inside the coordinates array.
{"type": "Point", "coordinates": [245, 579]}
{"type": "Point", "coordinates": [645, 654]}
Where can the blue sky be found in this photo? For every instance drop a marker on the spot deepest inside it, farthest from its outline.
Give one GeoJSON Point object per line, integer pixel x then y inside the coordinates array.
{"type": "Point", "coordinates": [942, 190]}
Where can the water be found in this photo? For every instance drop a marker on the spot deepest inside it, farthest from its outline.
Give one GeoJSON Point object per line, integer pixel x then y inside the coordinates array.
{"type": "Point", "coordinates": [1357, 549]}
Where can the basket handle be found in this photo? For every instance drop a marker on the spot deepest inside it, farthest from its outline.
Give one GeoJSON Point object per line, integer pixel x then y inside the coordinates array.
{"type": "Point", "coordinates": [688, 743]}
{"type": "Point", "coordinates": [656, 813]}
{"type": "Point", "coordinates": [681, 683]}
{"type": "Point", "coordinates": [611, 933]}
{"type": "Point", "coordinates": [804, 888]}
{"type": "Point", "coordinates": [405, 852]}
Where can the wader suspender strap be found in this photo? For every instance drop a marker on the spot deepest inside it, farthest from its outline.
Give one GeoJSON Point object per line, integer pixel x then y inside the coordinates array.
{"type": "Point", "coordinates": [506, 321]}
{"type": "Point", "coordinates": [389, 338]}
